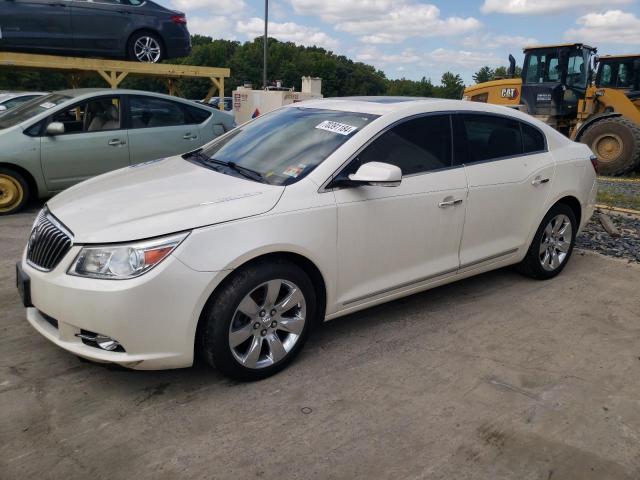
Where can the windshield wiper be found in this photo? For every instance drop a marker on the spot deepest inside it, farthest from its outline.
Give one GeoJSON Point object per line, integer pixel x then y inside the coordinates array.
{"type": "Point", "coordinates": [244, 171]}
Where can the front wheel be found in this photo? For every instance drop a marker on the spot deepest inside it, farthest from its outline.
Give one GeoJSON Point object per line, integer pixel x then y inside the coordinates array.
{"type": "Point", "coordinates": [552, 244]}
{"type": "Point", "coordinates": [259, 320]}
{"type": "Point", "coordinates": [145, 47]}
{"type": "Point", "coordinates": [14, 192]}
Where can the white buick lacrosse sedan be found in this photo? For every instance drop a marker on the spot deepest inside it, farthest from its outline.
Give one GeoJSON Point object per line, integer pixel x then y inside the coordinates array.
{"type": "Point", "coordinates": [313, 211]}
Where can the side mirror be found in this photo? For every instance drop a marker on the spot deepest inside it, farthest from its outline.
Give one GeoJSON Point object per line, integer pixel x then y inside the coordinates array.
{"type": "Point", "coordinates": [377, 174]}
{"type": "Point", "coordinates": [55, 128]}
{"type": "Point", "coordinates": [3, 108]}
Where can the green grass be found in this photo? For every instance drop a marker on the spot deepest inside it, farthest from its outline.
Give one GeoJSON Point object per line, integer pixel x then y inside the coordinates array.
{"type": "Point", "coordinates": [619, 200]}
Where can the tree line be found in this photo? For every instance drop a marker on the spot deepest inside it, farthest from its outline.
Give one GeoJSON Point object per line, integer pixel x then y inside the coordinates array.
{"type": "Point", "coordinates": [287, 61]}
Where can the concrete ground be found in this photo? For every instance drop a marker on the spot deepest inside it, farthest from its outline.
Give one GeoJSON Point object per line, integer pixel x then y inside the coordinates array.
{"type": "Point", "coordinates": [496, 377]}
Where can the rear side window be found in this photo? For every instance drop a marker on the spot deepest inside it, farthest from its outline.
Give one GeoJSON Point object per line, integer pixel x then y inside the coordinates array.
{"type": "Point", "coordinates": [532, 139]}
{"type": "Point", "coordinates": [416, 146]}
{"type": "Point", "coordinates": [490, 137]}
{"type": "Point", "coordinates": [149, 112]}
{"type": "Point", "coordinates": [197, 115]}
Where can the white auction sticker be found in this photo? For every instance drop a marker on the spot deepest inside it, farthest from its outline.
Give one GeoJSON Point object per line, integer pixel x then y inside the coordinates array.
{"type": "Point", "coordinates": [335, 127]}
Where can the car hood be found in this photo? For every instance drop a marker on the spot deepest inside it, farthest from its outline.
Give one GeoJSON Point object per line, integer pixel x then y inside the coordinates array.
{"type": "Point", "coordinates": [157, 198]}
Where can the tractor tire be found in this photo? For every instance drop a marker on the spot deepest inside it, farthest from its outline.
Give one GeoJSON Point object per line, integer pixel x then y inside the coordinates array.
{"type": "Point", "coordinates": [616, 143]}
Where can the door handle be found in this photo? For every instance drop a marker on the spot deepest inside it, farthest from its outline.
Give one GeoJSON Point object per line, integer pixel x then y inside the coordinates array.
{"type": "Point", "coordinates": [450, 203]}
{"type": "Point", "coordinates": [188, 136]}
{"type": "Point", "coordinates": [116, 142]}
{"type": "Point", "coordinates": [539, 181]}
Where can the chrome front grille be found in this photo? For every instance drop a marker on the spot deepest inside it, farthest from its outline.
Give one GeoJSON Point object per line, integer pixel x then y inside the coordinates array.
{"type": "Point", "coordinates": [49, 242]}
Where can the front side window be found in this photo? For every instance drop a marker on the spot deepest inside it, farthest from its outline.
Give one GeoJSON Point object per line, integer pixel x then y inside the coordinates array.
{"type": "Point", "coordinates": [97, 115]}
{"type": "Point", "coordinates": [490, 137]}
{"type": "Point", "coordinates": [415, 146]}
{"type": "Point", "coordinates": [32, 108]}
{"type": "Point", "coordinates": [542, 67]}
{"type": "Point", "coordinates": [577, 71]}
{"type": "Point", "coordinates": [605, 76]}
{"type": "Point", "coordinates": [149, 112]}
{"type": "Point", "coordinates": [285, 145]}
{"type": "Point", "coordinates": [617, 75]}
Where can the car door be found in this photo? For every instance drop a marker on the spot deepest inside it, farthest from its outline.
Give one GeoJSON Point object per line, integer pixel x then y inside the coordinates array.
{"type": "Point", "coordinates": [101, 26]}
{"type": "Point", "coordinates": [509, 172]}
{"type": "Point", "coordinates": [94, 142]}
{"type": "Point", "coordinates": [159, 128]}
{"type": "Point", "coordinates": [393, 238]}
{"type": "Point", "coordinates": [35, 24]}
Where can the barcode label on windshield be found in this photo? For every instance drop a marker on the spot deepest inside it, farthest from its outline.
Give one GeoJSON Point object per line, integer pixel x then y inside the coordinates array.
{"type": "Point", "coordinates": [335, 127]}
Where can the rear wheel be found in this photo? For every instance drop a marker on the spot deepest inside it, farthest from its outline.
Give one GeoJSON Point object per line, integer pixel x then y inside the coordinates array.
{"type": "Point", "coordinates": [259, 320]}
{"type": "Point", "coordinates": [616, 143]}
{"type": "Point", "coordinates": [145, 47]}
{"type": "Point", "coordinates": [14, 192]}
{"type": "Point", "coordinates": [552, 244]}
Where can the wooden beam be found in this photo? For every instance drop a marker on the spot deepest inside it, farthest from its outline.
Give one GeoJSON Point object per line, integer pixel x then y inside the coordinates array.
{"type": "Point", "coordinates": [107, 78]}
{"type": "Point", "coordinates": [53, 62]}
{"type": "Point", "coordinates": [114, 71]}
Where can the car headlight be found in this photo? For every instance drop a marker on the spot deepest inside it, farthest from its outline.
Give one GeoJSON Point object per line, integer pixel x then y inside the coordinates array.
{"type": "Point", "coordinates": [120, 262]}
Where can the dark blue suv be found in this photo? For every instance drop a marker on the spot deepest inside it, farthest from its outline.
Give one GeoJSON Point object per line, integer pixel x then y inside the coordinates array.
{"type": "Point", "coordinates": [139, 30]}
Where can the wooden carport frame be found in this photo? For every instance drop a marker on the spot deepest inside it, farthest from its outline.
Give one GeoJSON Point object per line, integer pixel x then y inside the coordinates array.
{"type": "Point", "coordinates": [115, 71]}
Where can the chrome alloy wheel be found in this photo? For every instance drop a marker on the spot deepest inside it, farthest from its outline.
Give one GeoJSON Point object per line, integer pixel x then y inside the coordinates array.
{"type": "Point", "coordinates": [555, 242]}
{"type": "Point", "coordinates": [267, 324]}
{"type": "Point", "coordinates": [147, 49]}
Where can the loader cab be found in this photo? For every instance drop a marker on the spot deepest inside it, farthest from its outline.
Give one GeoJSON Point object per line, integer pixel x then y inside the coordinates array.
{"type": "Point", "coordinates": [619, 72]}
{"type": "Point", "coordinates": [555, 78]}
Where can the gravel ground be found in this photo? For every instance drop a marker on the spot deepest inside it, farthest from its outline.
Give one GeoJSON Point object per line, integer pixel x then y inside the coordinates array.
{"type": "Point", "coordinates": [619, 192]}
{"type": "Point", "coordinates": [627, 246]}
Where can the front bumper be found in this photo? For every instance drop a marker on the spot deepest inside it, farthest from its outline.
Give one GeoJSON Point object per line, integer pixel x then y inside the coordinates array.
{"type": "Point", "coordinates": [154, 316]}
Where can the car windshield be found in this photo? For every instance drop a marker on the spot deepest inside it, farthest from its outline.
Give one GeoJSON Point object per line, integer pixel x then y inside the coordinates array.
{"type": "Point", "coordinates": [31, 108]}
{"type": "Point", "coordinates": [287, 144]}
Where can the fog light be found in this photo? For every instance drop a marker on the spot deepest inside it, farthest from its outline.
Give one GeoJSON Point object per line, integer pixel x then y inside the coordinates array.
{"type": "Point", "coordinates": [106, 343]}
{"type": "Point", "coordinates": [97, 340]}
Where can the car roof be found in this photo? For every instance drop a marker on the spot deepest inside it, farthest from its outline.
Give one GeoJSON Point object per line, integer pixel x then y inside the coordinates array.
{"type": "Point", "coordinates": [384, 105]}
{"type": "Point", "coordinates": [12, 94]}
{"type": "Point", "coordinates": [79, 93]}
{"type": "Point", "coordinates": [379, 105]}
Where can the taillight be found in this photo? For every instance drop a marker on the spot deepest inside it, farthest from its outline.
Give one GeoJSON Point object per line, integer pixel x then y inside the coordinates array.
{"type": "Point", "coordinates": [594, 162]}
{"type": "Point", "coordinates": [179, 19]}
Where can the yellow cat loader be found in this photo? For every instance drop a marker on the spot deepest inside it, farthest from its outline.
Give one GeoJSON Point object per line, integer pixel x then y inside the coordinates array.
{"type": "Point", "coordinates": [594, 100]}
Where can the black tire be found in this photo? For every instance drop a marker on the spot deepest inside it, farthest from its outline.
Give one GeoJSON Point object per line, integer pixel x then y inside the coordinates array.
{"type": "Point", "coordinates": [532, 265]}
{"type": "Point", "coordinates": [156, 42]}
{"type": "Point", "coordinates": [14, 191]}
{"type": "Point", "coordinates": [602, 137]}
{"type": "Point", "coordinates": [215, 322]}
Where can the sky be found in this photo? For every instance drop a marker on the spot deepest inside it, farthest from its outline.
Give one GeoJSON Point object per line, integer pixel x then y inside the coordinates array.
{"type": "Point", "coordinates": [412, 38]}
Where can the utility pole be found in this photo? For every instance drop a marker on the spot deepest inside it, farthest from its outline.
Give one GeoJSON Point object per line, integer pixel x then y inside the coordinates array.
{"type": "Point", "coordinates": [266, 38]}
